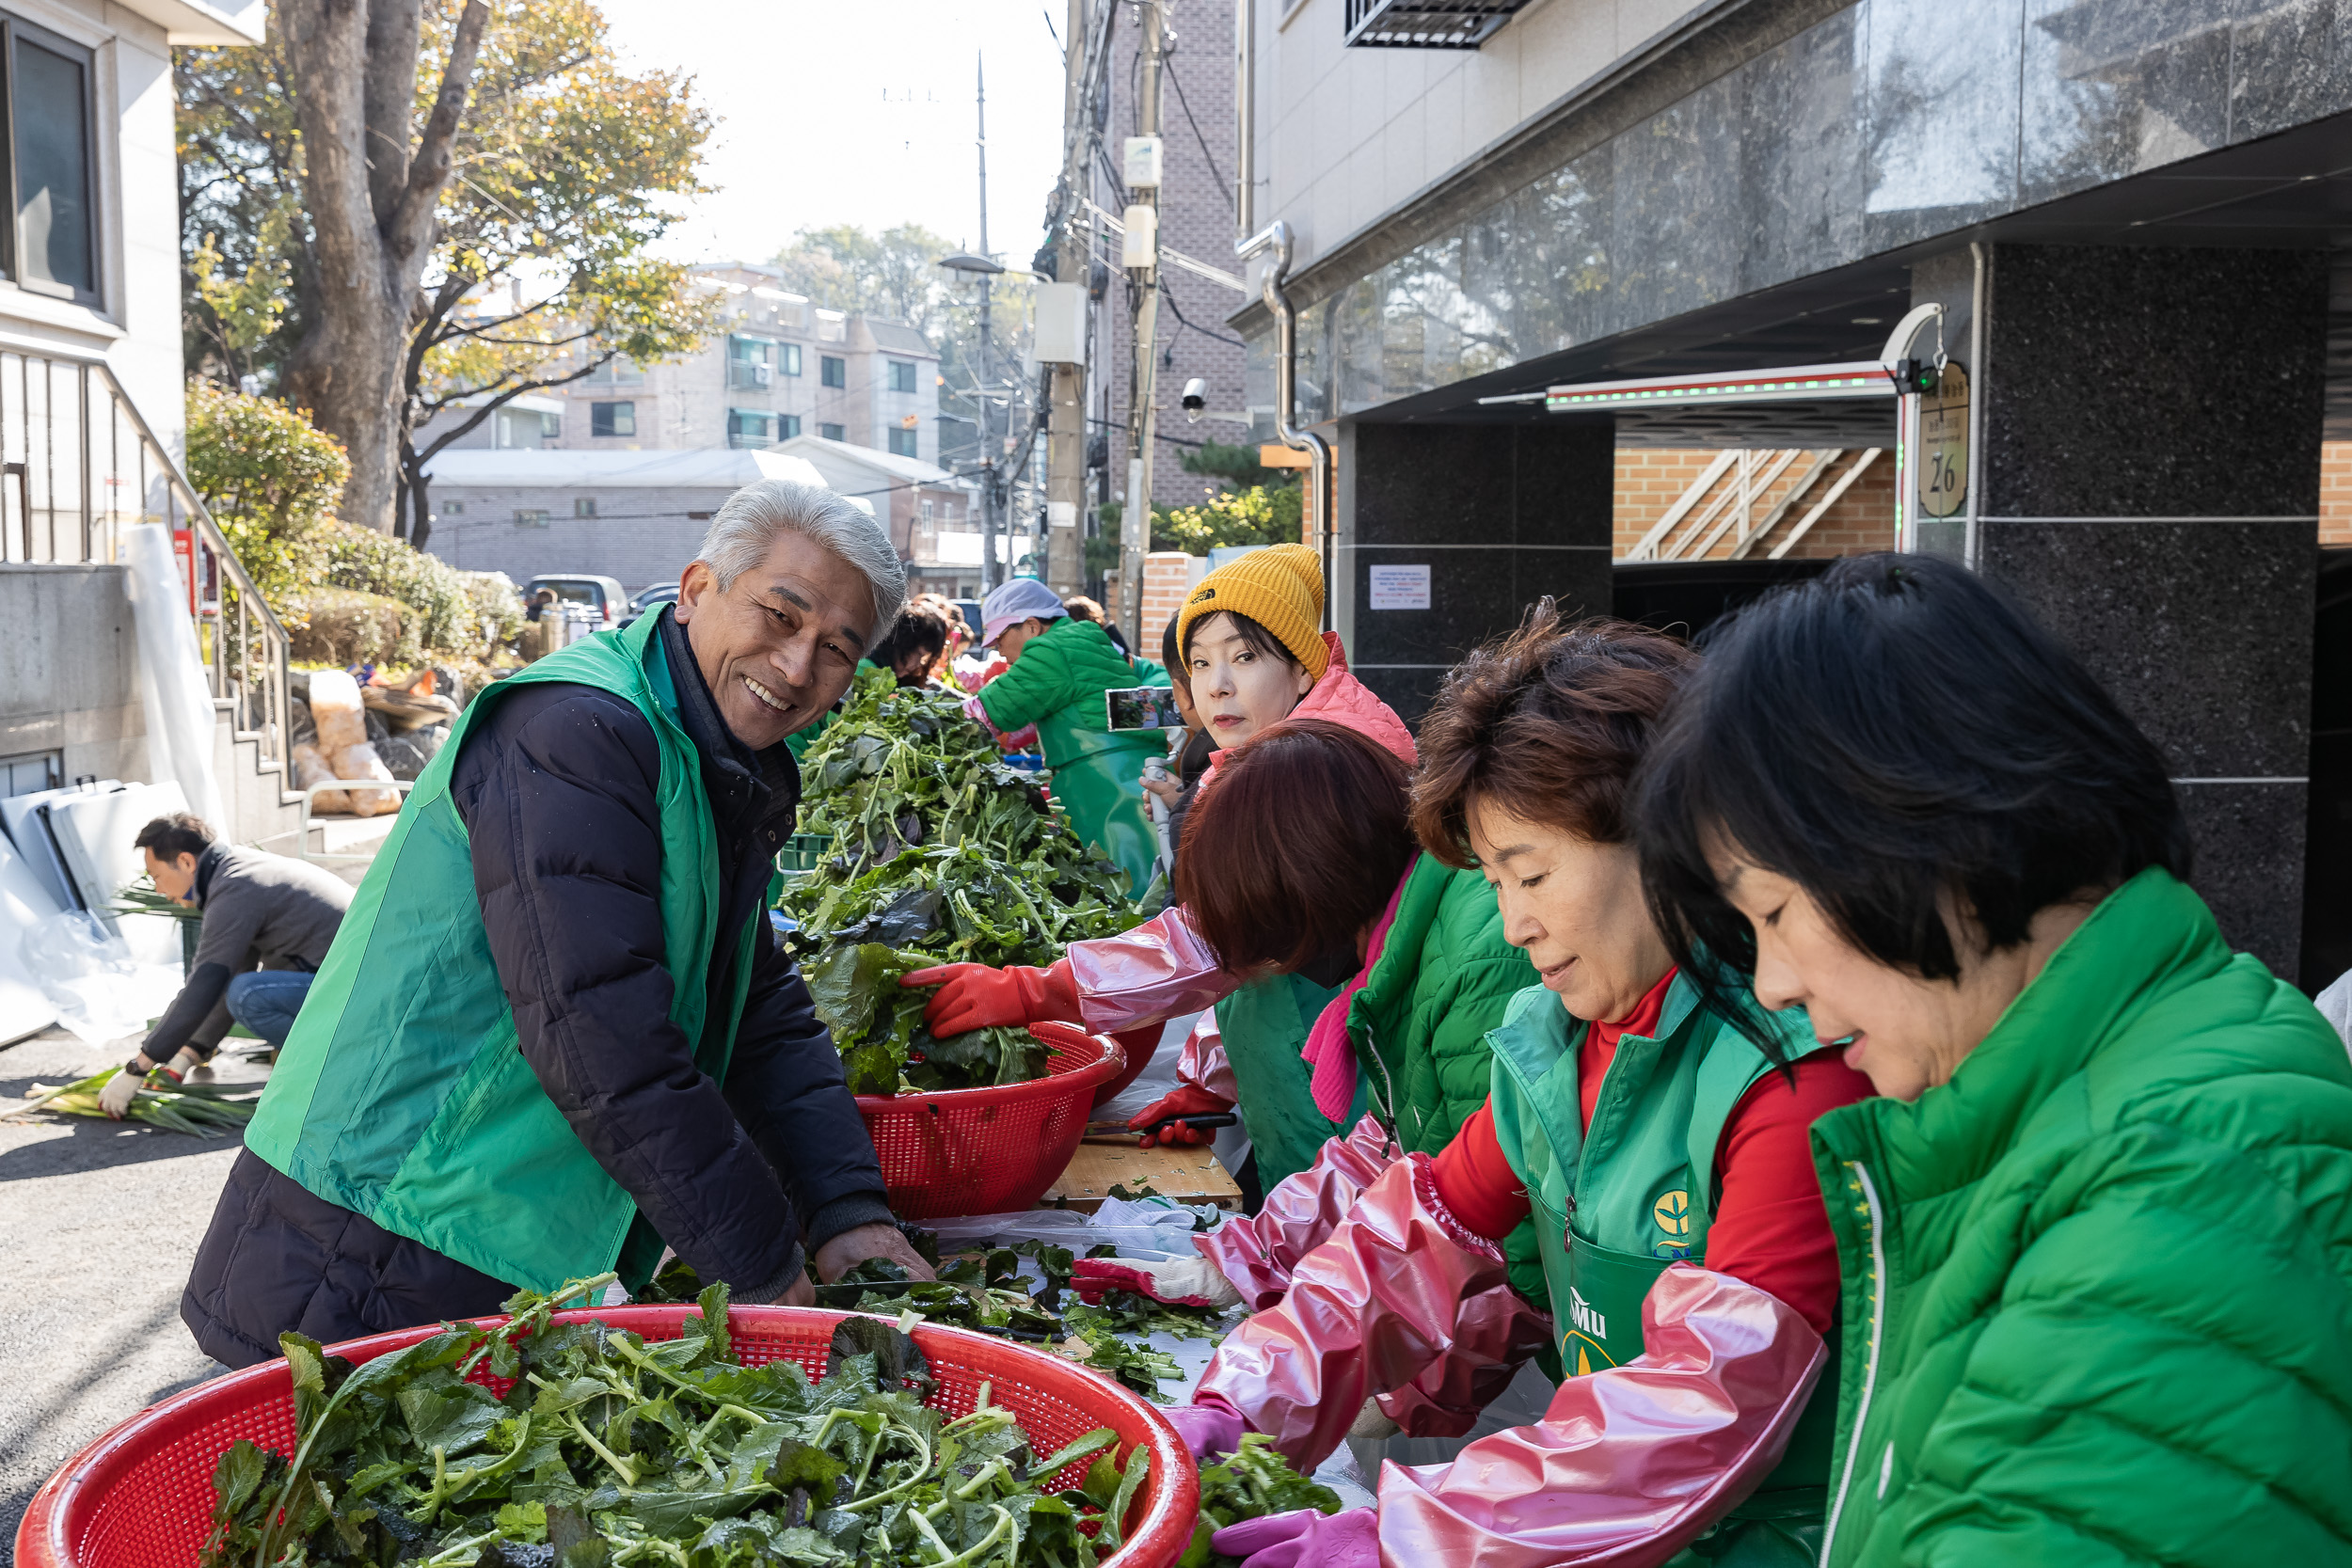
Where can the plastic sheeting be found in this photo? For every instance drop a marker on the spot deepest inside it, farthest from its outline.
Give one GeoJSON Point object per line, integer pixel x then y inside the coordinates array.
{"type": "Point", "coordinates": [25, 902]}
{"type": "Point", "coordinates": [172, 687]}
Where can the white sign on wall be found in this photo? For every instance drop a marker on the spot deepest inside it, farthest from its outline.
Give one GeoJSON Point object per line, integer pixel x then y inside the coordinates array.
{"type": "Point", "coordinates": [1400, 588]}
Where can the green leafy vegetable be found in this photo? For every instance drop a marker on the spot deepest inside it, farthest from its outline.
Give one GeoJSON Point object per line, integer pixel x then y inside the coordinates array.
{"type": "Point", "coordinates": [611, 1451]}
{"type": "Point", "coordinates": [1250, 1483]}
{"type": "Point", "coordinates": [938, 853]}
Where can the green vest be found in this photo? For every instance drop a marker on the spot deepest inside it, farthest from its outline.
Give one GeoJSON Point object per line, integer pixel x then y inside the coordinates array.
{"type": "Point", "coordinates": [399, 1094]}
{"type": "Point", "coordinates": [1615, 1205]}
{"type": "Point", "coordinates": [1264, 1027]}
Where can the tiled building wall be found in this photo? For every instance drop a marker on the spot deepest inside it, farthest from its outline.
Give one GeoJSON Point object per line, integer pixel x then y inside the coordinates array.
{"type": "Point", "coordinates": [1651, 478]}
{"type": "Point", "coordinates": [1167, 577]}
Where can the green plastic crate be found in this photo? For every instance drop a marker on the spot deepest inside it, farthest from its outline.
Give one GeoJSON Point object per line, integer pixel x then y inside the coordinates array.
{"type": "Point", "coordinates": [802, 851]}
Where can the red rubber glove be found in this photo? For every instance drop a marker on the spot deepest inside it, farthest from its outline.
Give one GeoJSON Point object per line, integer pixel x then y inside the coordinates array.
{"type": "Point", "coordinates": [974, 996]}
{"type": "Point", "coordinates": [1170, 1281]}
{"type": "Point", "coordinates": [1187, 1099]}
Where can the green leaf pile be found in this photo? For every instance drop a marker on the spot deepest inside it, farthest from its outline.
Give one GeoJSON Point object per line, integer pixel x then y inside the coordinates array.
{"type": "Point", "coordinates": [1252, 1481]}
{"type": "Point", "coordinates": [938, 853]}
{"type": "Point", "coordinates": [610, 1450]}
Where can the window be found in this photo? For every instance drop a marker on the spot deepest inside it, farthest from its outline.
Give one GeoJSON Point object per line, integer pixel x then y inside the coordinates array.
{"type": "Point", "coordinates": [833, 433]}
{"type": "Point", "coordinates": [751, 427]}
{"type": "Point", "coordinates": [902, 443]}
{"type": "Point", "coordinates": [54, 248]}
{"type": "Point", "coordinates": [583, 506]}
{"type": "Point", "coordinates": [789, 358]}
{"type": "Point", "coordinates": [901, 375]}
{"type": "Point", "coordinates": [930, 521]}
{"type": "Point", "coordinates": [747, 362]}
{"type": "Point", "coordinates": [612, 419]}
{"type": "Point", "coordinates": [614, 373]}
{"type": "Point", "coordinates": [833, 372]}
{"type": "Point", "coordinates": [787, 426]}
{"type": "Point", "coordinates": [535, 518]}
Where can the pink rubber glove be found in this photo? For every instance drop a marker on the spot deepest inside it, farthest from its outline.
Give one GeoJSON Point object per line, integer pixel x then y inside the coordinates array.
{"type": "Point", "coordinates": [1210, 1428]}
{"type": "Point", "coordinates": [1349, 1540]}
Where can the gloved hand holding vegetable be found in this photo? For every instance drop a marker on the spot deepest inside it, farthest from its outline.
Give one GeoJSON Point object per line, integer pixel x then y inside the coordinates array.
{"type": "Point", "coordinates": [115, 1098]}
{"type": "Point", "coordinates": [1171, 1281]}
{"type": "Point", "coordinates": [975, 996]}
{"type": "Point", "coordinates": [1304, 1536]}
{"type": "Point", "coordinates": [1185, 1100]}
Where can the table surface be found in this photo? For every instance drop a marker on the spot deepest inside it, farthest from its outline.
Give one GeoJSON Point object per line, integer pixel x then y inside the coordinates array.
{"type": "Point", "coordinates": [1186, 1174]}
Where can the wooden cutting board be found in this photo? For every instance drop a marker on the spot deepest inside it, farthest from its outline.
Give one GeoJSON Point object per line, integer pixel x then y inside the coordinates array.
{"type": "Point", "coordinates": [1187, 1174]}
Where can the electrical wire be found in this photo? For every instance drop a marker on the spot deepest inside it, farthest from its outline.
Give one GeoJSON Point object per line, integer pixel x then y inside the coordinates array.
{"type": "Point", "coordinates": [1178, 310]}
{"type": "Point", "coordinates": [1168, 69]}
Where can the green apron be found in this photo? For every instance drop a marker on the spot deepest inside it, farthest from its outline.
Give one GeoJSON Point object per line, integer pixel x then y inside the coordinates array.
{"type": "Point", "coordinates": [399, 1094]}
{"type": "Point", "coordinates": [1617, 1202]}
{"type": "Point", "coordinates": [1103, 791]}
{"type": "Point", "coordinates": [1265, 1026]}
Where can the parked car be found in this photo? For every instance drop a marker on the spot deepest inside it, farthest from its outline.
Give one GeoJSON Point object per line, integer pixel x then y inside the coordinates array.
{"type": "Point", "coordinates": [603, 597]}
{"type": "Point", "coordinates": [650, 600]}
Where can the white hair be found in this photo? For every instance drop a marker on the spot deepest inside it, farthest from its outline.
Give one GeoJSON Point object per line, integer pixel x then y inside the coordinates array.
{"type": "Point", "coordinates": [746, 527]}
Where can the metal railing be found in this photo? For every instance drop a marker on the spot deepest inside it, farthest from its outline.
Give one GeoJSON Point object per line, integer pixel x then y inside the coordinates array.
{"type": "Point", "coordinates": [78, 465]}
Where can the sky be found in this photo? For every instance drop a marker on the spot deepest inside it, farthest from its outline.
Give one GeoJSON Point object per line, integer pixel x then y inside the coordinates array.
{"type": "Point", "coordinates": [859, 111]}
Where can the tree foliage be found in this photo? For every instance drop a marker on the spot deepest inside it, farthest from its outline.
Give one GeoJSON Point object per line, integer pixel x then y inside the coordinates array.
{"type": "Point", "coordinates": [269, 477]}
{"type": "Point", "coordinates": [564, 170]}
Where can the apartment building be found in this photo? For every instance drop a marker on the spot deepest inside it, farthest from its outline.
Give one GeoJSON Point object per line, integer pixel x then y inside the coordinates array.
{"type": "Point", "coordinates": [783, 365]}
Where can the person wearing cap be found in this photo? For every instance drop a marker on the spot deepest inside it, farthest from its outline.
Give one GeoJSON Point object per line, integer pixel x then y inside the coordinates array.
{"type": "Point", "coordinates": [1060, 666]}
{"type": "Point", "coordinates": [1250, 643]}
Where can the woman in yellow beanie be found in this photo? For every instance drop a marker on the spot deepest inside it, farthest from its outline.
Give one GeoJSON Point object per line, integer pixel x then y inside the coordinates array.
{"type": "Point", "coordinates": [1249, 641]}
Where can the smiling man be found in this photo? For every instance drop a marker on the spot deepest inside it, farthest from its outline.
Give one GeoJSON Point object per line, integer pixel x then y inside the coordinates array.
{"type": "Point", "coordinates": [553, 1035]}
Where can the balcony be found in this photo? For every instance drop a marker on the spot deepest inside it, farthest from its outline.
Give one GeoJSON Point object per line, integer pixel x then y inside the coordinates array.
{"type": "Point", "coordinates": [1425, 24]}
{"type": "Point", "coordinates": [750, 376]}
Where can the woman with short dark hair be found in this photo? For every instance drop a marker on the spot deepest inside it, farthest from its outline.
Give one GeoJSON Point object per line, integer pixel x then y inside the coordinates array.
{"type": "Point", "coordinates": [1659, 1151]}
{"type": "Point", "coordinates": [2096, 1241]}
{"type": "Point", "coordinates": [1301, 863]}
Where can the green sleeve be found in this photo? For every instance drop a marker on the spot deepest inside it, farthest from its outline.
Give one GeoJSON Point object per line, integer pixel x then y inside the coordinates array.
{"type": "Point", "coordinates": [1037, 684]}
{"type": "Point", "coordinates": [1151, 673]}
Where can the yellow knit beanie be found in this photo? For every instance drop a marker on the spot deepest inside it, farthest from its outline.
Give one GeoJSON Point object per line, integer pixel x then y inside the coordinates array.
{"type": "Point", "coordinates": [1281, 588]}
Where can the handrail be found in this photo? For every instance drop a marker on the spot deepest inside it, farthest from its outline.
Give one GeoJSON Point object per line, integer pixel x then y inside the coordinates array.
{"type": "Point", "coordinates": [239, 637]}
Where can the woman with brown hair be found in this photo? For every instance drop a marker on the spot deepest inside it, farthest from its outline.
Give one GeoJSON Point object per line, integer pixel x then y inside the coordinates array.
{"type": "Point", "coordinates": [1302, 861]}
{"type": "Point", "coordinates": [1657, 1137]}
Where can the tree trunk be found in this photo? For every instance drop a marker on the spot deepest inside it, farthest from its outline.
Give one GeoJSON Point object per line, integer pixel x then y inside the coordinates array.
{"type": "Point", "coordinates": [371, 198]}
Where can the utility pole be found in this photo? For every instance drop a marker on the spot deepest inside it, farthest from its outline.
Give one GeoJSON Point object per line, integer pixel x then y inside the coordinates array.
{"type": "Point", "coordinates": [1134, 522]}
{"type": "Point", "coordinates": [991, 445]}
{"type": "Point", "coordinates": [1065, 430]}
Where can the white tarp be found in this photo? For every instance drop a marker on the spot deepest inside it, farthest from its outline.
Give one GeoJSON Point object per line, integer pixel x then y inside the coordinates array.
{"type": "Point", "coordinates": [172, 687]}
{"type": "Point", "coordinates": [21, 816]}
{"type": "Point", "coordinates": [24, 1009]}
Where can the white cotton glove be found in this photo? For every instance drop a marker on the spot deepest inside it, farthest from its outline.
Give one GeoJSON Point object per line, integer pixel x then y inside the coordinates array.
{"type": "Point", "coordinates": [116, 1096]}
{"type": "Point", "coordinates": [1173, 1281]}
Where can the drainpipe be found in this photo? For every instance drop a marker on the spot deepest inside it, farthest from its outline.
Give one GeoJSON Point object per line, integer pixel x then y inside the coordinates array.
{"type": "Point", "coordinates": [1276, 236]}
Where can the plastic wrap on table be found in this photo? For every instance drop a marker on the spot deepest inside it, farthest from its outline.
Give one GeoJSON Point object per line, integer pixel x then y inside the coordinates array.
{"type": "Point", "coordinates": [1630, 1464]}
{"type": "Point", "coordinates": [1159, 969]}
{"type": "Point", "coordinates": [1368, 1312]}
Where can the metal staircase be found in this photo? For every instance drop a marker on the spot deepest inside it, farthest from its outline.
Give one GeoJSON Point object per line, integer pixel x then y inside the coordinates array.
{"type": "Point", "coordinates": [78, 465]}
{"type": "Point", "coordinates": [1744, 495]}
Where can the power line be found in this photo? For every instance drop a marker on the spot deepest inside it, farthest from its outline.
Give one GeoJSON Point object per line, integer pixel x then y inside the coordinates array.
{"type": "Point", "coordinates": [1178, 83]}
{"type": "Point", "coordinates": [1169, 295]}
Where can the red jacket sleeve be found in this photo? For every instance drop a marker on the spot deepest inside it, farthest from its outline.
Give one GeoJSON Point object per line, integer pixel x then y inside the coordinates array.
{"type": "Point", "coordinates": [1770, 1231]}
{"type": "Point", "coordinates": [1477, 1183]}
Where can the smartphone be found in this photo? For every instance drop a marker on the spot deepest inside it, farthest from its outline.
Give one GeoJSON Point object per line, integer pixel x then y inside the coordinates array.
{"type": "Point", "coordinates": [1141, 707]}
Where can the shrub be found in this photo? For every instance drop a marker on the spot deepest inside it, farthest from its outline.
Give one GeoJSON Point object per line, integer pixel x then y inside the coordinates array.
{"type": "Point", "coordinates": [269, 477]}
{"type": "Point", "coordinates": [340, 627]}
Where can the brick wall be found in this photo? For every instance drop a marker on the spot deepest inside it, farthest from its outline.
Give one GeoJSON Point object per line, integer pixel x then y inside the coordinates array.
{"type": "Point", "coordinates": [1167, 578]}
{"type": "Point", "coordinates": [1651, 478]}
{"type": "Point", "coordinates": [2335, 492]}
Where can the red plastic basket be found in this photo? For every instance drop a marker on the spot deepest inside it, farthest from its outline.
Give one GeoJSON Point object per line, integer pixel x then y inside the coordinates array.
{"type": "Point", "coordinates": [141, 1496]}
{"type": "Point", "coordinates": [992, 1150]}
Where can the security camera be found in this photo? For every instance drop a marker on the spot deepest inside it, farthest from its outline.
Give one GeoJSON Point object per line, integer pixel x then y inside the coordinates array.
{"type": "Point", "coordinates": [1195, 399]}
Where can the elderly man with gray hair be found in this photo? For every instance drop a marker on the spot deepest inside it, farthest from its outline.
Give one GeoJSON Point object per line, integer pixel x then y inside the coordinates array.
{"type": "Point", "coordinates": [554, 1035]}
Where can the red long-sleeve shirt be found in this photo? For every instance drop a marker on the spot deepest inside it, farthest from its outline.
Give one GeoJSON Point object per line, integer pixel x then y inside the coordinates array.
{"type": "Point", "coordinates": [1770, 1231]}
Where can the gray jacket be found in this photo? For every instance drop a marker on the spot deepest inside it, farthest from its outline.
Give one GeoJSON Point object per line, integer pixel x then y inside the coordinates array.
{"type": "Point", "coordinates": [261, 911]}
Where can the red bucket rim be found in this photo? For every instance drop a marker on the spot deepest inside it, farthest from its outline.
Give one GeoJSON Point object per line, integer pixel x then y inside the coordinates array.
{"type": "Point", "coordinates": [1166, 1526]}
{"type": "Point", "coordinates": [1085, 1075]}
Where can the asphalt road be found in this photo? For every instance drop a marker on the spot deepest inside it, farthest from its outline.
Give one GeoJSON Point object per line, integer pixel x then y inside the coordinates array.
{"type": "Point", "coordinates": [99, 1223]}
